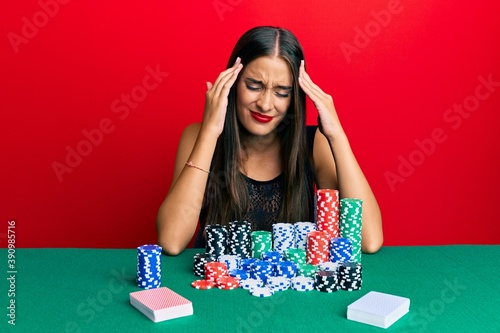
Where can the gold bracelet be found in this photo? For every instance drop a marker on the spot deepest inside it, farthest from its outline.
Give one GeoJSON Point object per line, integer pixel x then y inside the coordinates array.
{"type": "Point", "coordinates": [191, 165]}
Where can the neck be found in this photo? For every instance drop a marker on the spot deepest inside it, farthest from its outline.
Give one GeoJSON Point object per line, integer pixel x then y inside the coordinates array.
{"type": "Point", "coordinates": [267, 146]}
{"type": "Point", "coordinates": [261, 157]}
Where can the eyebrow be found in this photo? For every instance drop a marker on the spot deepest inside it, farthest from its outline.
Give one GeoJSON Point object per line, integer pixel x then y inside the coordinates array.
{"type": "Point", "coordinates": [254, 81]}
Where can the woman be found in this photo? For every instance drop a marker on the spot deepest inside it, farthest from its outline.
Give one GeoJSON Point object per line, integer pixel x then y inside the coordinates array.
{"type": "Point", "coordinates": [253, 157]}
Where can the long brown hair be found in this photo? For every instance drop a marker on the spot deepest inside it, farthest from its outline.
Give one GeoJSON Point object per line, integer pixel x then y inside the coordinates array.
{"type": "Point", "coordinates": [227, 196]}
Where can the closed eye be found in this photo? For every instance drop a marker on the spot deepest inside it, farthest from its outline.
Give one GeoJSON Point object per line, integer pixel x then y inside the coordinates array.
{"type": "Point", "coordinates": [282, 95]}
{"type": "Point", "coordinates": [252, 88]}
{"type": "Point", "coordinates": [254, 85]}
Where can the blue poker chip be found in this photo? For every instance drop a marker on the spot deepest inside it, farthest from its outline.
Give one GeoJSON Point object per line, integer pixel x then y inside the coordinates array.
{"type": "Point", "coordinates": [272, 256]}
{"type": "Point", "coordinates": [239, 273]}
{"type": "Point", "coordinates": [261, 270]}
{"type": "Point", "coordinates": [287, 269]}
{"type": "Point", "coordinates": [246, 263]}
{"type": "Point", "coordinates": [149, 249]}
{"type": "Point", "coordinates": [149, 266]}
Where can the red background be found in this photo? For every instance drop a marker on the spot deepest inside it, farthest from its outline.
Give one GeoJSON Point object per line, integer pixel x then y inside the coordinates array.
{"type": "Point", "coordinates": [395, 89]}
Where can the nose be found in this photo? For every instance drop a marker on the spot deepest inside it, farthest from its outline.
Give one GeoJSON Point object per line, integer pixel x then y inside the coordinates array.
{"type": "Point", "coordinates": [265, 101]}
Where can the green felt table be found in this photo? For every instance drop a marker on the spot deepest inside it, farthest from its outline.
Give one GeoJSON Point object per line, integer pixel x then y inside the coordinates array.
{"type": "Point", "coordinates": [451, 289]}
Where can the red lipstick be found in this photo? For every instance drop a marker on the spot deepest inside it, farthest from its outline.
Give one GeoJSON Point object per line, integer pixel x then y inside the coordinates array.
{"type": "Point", "coordinates": [260, 117]}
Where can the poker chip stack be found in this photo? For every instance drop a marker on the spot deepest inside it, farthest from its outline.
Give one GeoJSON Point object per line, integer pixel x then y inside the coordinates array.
{"type": "Point", "coordinates": [329, 266]}
{"type": "Point", "coordinates": [340, 249]}
{"type": "Point", "coordinates": [227, 282]}
{"type": "Point", "coordinates": [318, 245]}
{"type": "Point", "coordinates": [278, 283]}
{"type": "Point", "coordinates": [272, 256]}
{"type": "Point", "coordinates": [262, 241]}
{"type": "Point", "coordinates": [245, 263]}
{"type": "Point", "coordinates": [250, 283]}
{"type": "Point", "coordinates": [302, 283]}
{"type": "Point", "coordinates": [301, 230]}
{"type": "Point", "coordinates": [199, 261]}
{"type": "Point", "coordinates": [149, 266]}
{"type": "Point", "coordinates": [283, 236]}
{"type": "Point", "coordinates": [273, 273]}
{"type": "Point", "coordinates": [307, 270]}
{"type": "Point", "coordinates": [216, 274]}
{"type": "Point", "coordinates": [264, 291]}
{"type": "Point", "coordinates": [240, 274]}
{"type": "Point", "coordinates": [298, 256]}
{"type": "Point", "coordinates": [216, 240]}
{"type": "Point", "coordinates": [302, 256]}
{"type": "Point", "coordinates": [215, 270]}
{"type": "Point", "coordinates": [286, 269]}
{"type": "Point", "coordinates": [351, 224]}
{"type": "Point", "coordinates": [261, 270]}
{"type": "Point", "coordinates": [232, 261]}
{"type": "Point", "coordinates": [327, 212]}
{"type": "Point", "coordinates": [239, 240]}
{"type": "Point", "coordinates": [350, 277]}
{"type": "Point", "coordinates": [326, 281]}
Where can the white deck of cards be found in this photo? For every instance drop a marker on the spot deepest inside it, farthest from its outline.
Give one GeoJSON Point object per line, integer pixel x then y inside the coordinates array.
{"type": "Point", "coordinates": [161, 304]}
{"type": "Point", "coordinates": [378, 309]}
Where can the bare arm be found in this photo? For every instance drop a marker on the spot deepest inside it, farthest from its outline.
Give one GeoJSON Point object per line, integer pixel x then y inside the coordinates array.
{"type": "Point", "coordinates": [337, 167]}
{"type": "Point", "coordinates": [179, 212]}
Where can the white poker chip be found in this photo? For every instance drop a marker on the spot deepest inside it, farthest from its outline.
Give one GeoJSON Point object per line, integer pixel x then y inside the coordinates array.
{"type": "Point", "coordinates": [261, 291]}
{"type": "Point", "coordinates": [278, 283]}
{"type": "Point", "coordinates": [302, 283]}
{"type": "Point", "coordinates": [329, 266]}
{"type": "Point", "coordinates": [250, 283]}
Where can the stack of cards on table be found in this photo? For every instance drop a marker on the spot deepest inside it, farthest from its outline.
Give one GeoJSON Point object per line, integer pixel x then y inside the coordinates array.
{"type": "Point", "coordinates": [378, 309]}
{"type": "Point", "coordinates": [161, 304]}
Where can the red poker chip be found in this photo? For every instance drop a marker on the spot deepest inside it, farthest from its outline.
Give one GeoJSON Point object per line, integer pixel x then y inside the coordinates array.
{"type": "Point", "coordinates": [224, 287]}
{"type": "Point", "coordinates": [203, 284]}
{"type": "Point", "coordinates": [227, 282]}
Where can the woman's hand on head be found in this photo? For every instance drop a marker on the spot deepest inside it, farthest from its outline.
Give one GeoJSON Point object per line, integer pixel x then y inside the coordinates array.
{"type": "Point", "coordinates": [328, 120]}
{"type": "Point", "coordinates": [217, 99]}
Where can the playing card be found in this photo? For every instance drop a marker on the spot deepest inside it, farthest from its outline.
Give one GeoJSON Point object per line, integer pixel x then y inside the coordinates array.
{"type": "Point", "coordinates": [378, 309]}
{"type": "Point", "coordinates": [161, 304]}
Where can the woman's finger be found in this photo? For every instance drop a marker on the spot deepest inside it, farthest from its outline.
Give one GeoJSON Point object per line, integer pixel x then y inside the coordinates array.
{"type": "Point", "coordinates": [306, 80]}
{"type": "Point", "coordinates": [225, 74]}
